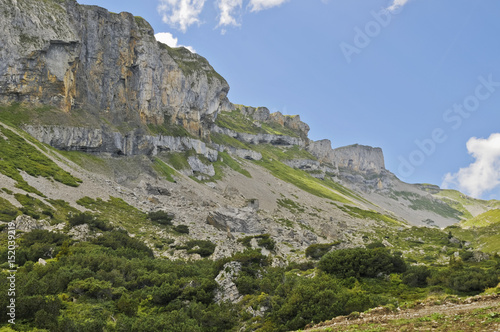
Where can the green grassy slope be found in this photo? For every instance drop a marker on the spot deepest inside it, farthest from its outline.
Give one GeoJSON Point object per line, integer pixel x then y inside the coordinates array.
{"type": "Point", "coordinates": [486, 219]}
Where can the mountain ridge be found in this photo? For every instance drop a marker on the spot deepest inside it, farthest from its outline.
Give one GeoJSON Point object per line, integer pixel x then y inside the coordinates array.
{"type": "Point", "coordinates": [177, 87]}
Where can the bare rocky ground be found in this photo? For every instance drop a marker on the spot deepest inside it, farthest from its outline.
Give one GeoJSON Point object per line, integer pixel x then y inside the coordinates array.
{"type": "Point", "coordinates": [478, 313]}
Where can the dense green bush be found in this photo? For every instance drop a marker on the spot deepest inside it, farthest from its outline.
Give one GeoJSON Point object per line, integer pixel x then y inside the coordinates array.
{"type": "Point", "coordinates": [470, 279]}
{"type": "Point", "coordinates": [183, 229]}
{"type": "Point", "coordinates": [361, 263]}
{"type": "Point", "coordinates": [121, 240]}
{"type": "Point", "coordinates": [93, 220]}
{"type": "Point", "coordinates": [91, 287]}
{"type": "Point", "coordinates": [264, 241]}
{"type": "Point", "coordinates": [416, 276]}
{"type": "Point", "coordinates": [203, 248]}
{"type": "Point", "coordinates": [305, 300]}
{"type": "Point", "coordinates": [161, 217]}
{"type": "Point", "coordinates": [114, 283]}
{"type": "Point", "coordinates": [37, 244]}
{"type": "Point", "coordinates": [466, 255]}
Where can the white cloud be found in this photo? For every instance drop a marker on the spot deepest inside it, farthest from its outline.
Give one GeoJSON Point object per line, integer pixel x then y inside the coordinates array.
{"type": "Point", "coordinates": [397, 4]}
{"type": "Point", "coordinates": [258, 5]}
{"type": "Point", "coordinates": [482, 175]}
{"type": "Point", "coordinates": [181, 13]}
{"type": "Point", "coordinates": [167, 38]}
{"type": "Point", "coordinates": [227, 9]}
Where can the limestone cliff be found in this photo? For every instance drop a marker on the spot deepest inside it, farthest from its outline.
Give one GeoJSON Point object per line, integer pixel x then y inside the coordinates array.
{"type": "Point", "coordinates": [262, 114]}
{"type": "Point", "coordinates": [358, 158]}
{"type": "Point", "coordinates": [84, 57]}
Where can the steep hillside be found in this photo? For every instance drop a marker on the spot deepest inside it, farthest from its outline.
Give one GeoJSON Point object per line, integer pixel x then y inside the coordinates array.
{"type": "Point", "coordinates": [138, 190]}
{"type": "Point", "coordinates": [155, 123]}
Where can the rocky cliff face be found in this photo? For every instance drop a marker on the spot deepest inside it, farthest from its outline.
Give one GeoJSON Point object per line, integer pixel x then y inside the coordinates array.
{"type": "Point", "coordinates": [358, 158]}
{"type": "Point", "coordinates": [262, 114]}
{"type": "Point", "coordinates": [84, 57]}
{"type": "Point", "coordinates": [115, 143]}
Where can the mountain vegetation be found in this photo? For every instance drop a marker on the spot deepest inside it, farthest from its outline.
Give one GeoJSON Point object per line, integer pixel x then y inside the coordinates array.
{"type": "Point", "coordinates": [144, 202]}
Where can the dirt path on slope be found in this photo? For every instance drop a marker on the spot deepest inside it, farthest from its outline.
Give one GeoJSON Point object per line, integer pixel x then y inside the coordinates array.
{"type": "Point", "coordinates": [479, 313]}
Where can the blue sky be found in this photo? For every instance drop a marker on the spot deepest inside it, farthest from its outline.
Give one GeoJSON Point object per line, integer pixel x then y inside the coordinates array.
{"type": "Point", "coordinates": [414, 77]}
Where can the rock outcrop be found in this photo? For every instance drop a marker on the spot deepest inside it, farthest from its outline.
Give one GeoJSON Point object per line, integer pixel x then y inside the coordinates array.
{"type": "Point", "coordinates": [262, 114]}
{"type": "Point", "coordinates": [227, 290]}
{"type": "Point", "coordinates": [105, 141]}
{"type": "Point", "coordinates": [26, 223]}
{"type": "Point", "coordinates": [244, 220]}
{"type": "Point", "coordinates": [242, 153]}
{"type": "Point", "coordinates": [84, 57]}
{"type": "Point", "coordinates": [314, 167]}
{"type": "Point", "coordinates": [198, 166]}
{"type": "Point", "coordinates": [358, 158]}
{"type": "Point", "coordinates": [322, 150]}
{"type": "Point", "coordinates": [282, 140]}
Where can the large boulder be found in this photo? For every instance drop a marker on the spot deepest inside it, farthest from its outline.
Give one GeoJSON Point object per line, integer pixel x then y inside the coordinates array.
{"type": "Point", "coordinates": [244, 220]}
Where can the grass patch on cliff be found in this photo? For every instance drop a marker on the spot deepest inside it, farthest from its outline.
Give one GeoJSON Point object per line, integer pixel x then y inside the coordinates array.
{"type": "Point", "coordinates": [296, 152]}
{"type": "Point", "coordinates": [178, 160]}
{"type": "Point", "coordinates": [283, 153]}
{"type": "Point", "coordinates": [224, 160]}
{"type": "Point", "coordinates": [300, 179]}
{"type": "Point", "coordinates": [168, 129]}
{"type": "Point", "coordinates": [141, 22]}
{"type": "Point", "coordinates": [85, 160]}
{"type": "Point", "coordinates": [18, 155]}
{"type": "Point", "coordinates": [275, 128]}
{"type": "Point", "coordinates": [238, 122]}
{"type": "Point", "coordinates": [465, 214]}
{"type": "Point", "coordinates": [226, 140]}
{"type": "Point", "coordinates": [163, 169]}
{"type": "Point", "coordinates": [191, 63]}
{"type": "Point", "coordinates": [464, 199]}
{"type": "Point", "coordinates": [227, 160]}
{"type": "Point", "coordinates": [17, 114]}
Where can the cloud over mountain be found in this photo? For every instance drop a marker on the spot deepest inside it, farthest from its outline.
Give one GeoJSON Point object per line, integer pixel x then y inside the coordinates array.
{"type": "Point", "coordinates": [483, 174]}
